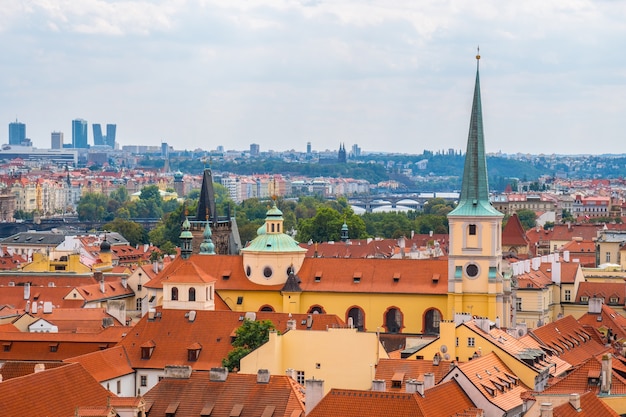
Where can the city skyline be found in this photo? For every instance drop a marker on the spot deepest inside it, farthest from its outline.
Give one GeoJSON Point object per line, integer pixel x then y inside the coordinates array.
{"type": "Point", "coordinates": [385, 75]}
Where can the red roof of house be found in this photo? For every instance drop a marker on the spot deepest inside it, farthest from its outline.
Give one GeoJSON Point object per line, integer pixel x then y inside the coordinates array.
{"type": "Point", "coordinates": [105, 364]}
{"type": "Point", "coordinates": [171, 334]}
{"type": "Point", "coordinates": [198, 395]}
{"type": "Point", "coordinates": [590, 406]}
{"type": "Point", "coordinates": [513, 233]}
{"type": "Point", "coordinates": [14, 369]}
{"type": "Point", "coordinates": [392, 369]}
{"type": "Point", "coordinates": [53, 392]}
{"type": "Point", "coordinates": [445, 399]}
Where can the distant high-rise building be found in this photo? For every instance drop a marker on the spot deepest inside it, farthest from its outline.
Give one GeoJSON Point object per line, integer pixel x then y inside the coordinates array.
{"type": "Point", "coordinates": [356, 151]}
{"type": "Point", "coordinates": [308, 148]}
{"type": "Point", "coordinates": [255, 149]}
{"type": "Point", "coordinates": [56, 140]}
{"type": "Point", "coordinates": [17, 133]}
{"type": "Point", "coordinates": [110, 138]}
{"type": "Point", "coordinates": [79, 133]}
{"type": "Point", "coordinates": [98, 139]}
{"type": "Point", "coordinates": [165, 149]}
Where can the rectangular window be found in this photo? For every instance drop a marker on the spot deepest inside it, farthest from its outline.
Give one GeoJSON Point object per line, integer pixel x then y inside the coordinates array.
{"type": "Point", "coordinates": [472, 230]}
{"type": "Point", "coordinates": [584, 299]}
{"type": "Point", "coordinates": [138, 287]}
{"type": "Point", "coordinates": [518, 304]}
{"type": "Point", "coordinates": [608, 257]}
{"type": "Point", "coordinates": [613, 300]}
{"type": "Point", "coordinates": [470, 342]}
{"type": "Point", "coordinates": [119, 387]}
{"type": "Point", "coordinates": [138, 304]}
{"type": "Point", "coordinates": [143, 380]}
{"type": "Point", "coordinates": [300, 377]}
{"type": "Point", "coordinates": [456, 342]}
{"type": "Point", "coordinates": [568, 295]}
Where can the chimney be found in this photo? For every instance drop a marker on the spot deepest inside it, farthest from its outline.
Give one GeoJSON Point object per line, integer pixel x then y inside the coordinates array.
{"type": "Point", "coordinates": [39, 367]}
{"type": "Point", "coordinates": [556, 272]}
{"type": "Point", "coordinates": [595, 305]}
{"type": "Point", "coordinates": [566, 256]}
{"type": "Point", "coordinates": [309, 321]}
{"type": "Point", "coordinates": [177, 371]}
{"type": "Point", "coordinates": [218, 374]}
{"type": "Point", "coordinates": [545, 410]}
{"type": "Point", "coordinates": [291, 324]}
{"type": "Point", "coordinates": [574, 400]}
{"type": "Point", "coordinates": [314, 392]}
{"type": "Point", "coordinates": [413, 386]}
{"type": "Point", "coordinates": [26, 290]}
{"type": "Point", "coordinates": [606, 376]}
{"type": "Point", "coordinates": [263, 376]}
{"type": "Point", "coordinates": [429, 380]}
{"type": "Point", "coordinates": [379, 385]}
{"type": "Point", "coordinates": [527, 266]}
{"type": "Point", "coordinates": [291, 373]}
{"type": "Point", "coordinates": [125, 282]}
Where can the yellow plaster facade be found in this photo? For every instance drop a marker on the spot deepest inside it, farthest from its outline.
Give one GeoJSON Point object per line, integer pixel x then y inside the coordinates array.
{"type": "Point", "coordinates": [351, 366]}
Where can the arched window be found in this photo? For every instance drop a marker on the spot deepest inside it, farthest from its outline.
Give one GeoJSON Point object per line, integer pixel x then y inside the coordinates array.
{"type": "Point", "coordinates": [356, 315]}
{"type": "Point", "coordinates": [432, 318]}
{"type": "Point", "coordinates": [174, 294]}
{"type": "Point", "coordinates": [267, 308]}
{"type": "Point", "coordinates": [192, 294]}
{"type": "Point", "coordinates": [272, 227]}
{"type": "Point", "coordinates": [316, 309]}
{"type": "Point", "coordinates": [393, 320]}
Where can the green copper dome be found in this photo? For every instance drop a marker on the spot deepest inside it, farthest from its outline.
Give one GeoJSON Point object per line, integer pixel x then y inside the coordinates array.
{"type": "Point", "coordinates": [185, 233]}
{"type": "Point", "coordinates": [207, 247]}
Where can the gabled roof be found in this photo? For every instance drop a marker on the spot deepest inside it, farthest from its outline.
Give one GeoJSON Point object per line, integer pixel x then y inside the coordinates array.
{"type": "Point", "coordinates": [53, 392]}
{"type": "Point", "coordinates": [390, 369]}
{"type": "Point", "coordinates": [186, 272]}
{"type": "Point", "coordinates": [590, 406]}
{"type": "Point", "coordinates": [569, 339]}
{"type": "Point", "coordinates": [171, 334]}
{"type": "Point", "coordinates": [607, 319]}
{"type": "Point", "coordinates": [605, 290]}
{"type": "Point", "coordinates": [78, 320]}
{"type": "Point", "coordinates": [14, 369]}
{"type": "Point", "coordinates": [513, 233]}
{"type": "Point", "coordinates": [445, 399]}
{"type": "Point", "coordinates": [578, 380]}
{"type": "Point", "coordinates": [495, 381]}
{"type": "Point", "coordinates": [105, 364]}
{"type": "Point", "coordinates": [196, 395]}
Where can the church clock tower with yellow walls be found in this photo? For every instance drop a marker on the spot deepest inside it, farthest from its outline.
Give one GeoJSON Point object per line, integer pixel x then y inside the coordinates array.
{"type": "Point", "coordinates": [476, 284]}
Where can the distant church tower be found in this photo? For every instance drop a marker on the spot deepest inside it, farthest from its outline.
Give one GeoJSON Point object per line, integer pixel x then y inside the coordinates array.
{"type": "Point", "coordinates": [475, 281]}
{"type": "Point", "coordinates": [224, 230]}
{"type": "Point", "coordinates": [342, 154]}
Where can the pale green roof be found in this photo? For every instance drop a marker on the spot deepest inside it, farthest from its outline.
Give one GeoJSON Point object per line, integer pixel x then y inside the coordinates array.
{"type": "Point", "coordinates": [278, 242]}
{"type": "Point", "coordinates": [474, 199]}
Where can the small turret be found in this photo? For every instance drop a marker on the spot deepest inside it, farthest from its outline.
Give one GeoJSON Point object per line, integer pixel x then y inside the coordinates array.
{"type": "Point", "coordinates": [185, 239]}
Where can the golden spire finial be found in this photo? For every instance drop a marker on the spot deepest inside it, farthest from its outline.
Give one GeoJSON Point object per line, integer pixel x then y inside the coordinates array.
{"type": "Point", "coordinates": [477, 52]}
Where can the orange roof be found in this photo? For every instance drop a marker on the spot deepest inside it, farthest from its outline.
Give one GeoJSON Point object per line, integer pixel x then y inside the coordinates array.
{"type": "Point", "coordinates": [590, 406]}
{"type": "Point", "coordinates": [14, 369]}
{"type": "Point", "coordinates": [191, 396]}
{"type": "Point", "coordinates": [105, 364]}
{"type": "Point", "coordinates": [172, 334]}
{"type": "Point", "coordinates": [77, 319]}
{"type": "Point", "coordinates": [186, 272]}
{"type": "Point", "coordinates": [569, 339]}
{"type": "Point", "coordinates": [513, 233]}
{"type": "Point", "coordinates": [578, 380]}
{"type": "Point", "coordinates": [445, 399]}
{"type": "Point", "coordinates": [410, 369]}
{"type": "Point", "coordinates": [605, 290]}
{"type": "Point", "coordinates": [495, 381]}
{"type": "Point", "coordinates": [53, 392]}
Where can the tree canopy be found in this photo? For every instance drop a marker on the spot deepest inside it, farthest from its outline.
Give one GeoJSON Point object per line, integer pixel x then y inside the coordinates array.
{"type": "Point", "coordinates": [249, 336]}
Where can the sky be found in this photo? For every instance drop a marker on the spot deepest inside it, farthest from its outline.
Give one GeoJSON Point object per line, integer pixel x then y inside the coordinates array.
{"type": "Point", "coordinates": [388, 75]}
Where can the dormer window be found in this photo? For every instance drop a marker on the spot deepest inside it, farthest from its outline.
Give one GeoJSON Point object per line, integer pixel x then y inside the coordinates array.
{"type": "Point", "coordinates": [193, 352]}
{"type": "Point", "coordinates": [584, 299]}
{"type": "Point", "coordinates": [147, 349]}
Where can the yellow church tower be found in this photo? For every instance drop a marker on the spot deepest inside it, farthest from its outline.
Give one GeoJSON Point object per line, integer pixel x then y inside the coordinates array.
{"type": "Point", "coordinates": [476, 284]}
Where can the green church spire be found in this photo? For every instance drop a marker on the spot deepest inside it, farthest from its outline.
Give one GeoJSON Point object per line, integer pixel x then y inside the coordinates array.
{"type": "Point", "coordinates": [474, 200]}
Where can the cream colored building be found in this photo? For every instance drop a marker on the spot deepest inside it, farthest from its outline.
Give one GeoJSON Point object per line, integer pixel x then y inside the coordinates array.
{"type": "Point", "coordinates": [310, 354]}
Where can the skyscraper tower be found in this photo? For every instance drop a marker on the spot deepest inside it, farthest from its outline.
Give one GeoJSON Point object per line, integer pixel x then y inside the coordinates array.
{"type": "Point", "coordinates": [98, 139]}
{"type": "Point", "coordinates": [17, 133]}
{"type": "Point", "coordinates": [56, 140]}
{"type": "Point", "coordinates": [110, 137]}
{"type": "Point", "coordinates": [79, 133]}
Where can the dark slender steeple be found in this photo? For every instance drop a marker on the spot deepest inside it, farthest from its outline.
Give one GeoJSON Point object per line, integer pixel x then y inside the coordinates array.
{"type": "Point", "coordinates": [474, 199]}
{"type": "Point", "coordinates": [206, 203]}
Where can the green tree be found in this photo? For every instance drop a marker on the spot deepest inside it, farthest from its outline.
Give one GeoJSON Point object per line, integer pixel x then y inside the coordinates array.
{"type": "Point", "coordinates": [133, 232]}
{"type": "Point", "coordinates": [326, 225]}
{"type": "Point", "coordinates": [120, 194]}
{"type": "Point", "coordinates": [249, 336]}
{"type": "Point", "coordinates": [527, 218]}
{"type": "Point", "coordinates": [92, 207]}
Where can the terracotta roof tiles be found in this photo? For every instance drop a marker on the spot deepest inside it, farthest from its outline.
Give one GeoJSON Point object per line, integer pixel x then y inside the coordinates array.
{"type": "Point", "coordinates": [105, 364]}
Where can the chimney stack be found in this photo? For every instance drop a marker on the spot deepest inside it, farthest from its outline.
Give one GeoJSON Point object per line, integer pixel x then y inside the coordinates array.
{"type": "Point", "coordinates": [26, 290]}
{"type": "Point", "coordinates": [263, 376]}
{"type": "Point", "coordinates": [379, 385]}
{"type": "Point", "coordinates": [218, 374]}
{"type": "Point", "coordinates": [574, 400]}
{"type": "Point", "coordinates": [429, 380]}
{"type": "Point", "coordinates": [546, 410]}
{"type": "Point", "coordinates": [314, 392]}
{"type": "Point", "coordinates": [606, 376]}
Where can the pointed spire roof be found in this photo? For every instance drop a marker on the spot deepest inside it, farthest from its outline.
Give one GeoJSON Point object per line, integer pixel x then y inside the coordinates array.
{"type": "Point", "coordinates": [474, 200]}
{"type": "Point", "coordinates": [206, 203]}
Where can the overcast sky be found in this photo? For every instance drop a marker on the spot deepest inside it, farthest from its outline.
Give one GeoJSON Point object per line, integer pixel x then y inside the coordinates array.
{"type": "Point", "coordinates": [388, 75]}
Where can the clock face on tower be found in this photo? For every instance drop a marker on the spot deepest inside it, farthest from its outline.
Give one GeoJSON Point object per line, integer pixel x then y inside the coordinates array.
{"type": "Point", "coordinates": [471, 270]}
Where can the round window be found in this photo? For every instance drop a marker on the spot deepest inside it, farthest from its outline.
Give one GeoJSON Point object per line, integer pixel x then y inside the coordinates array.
{"type": "Point", "coordinates": [471, 270]}
{"type": "Point", "coordinates": [248, 270]}
{"type": "Point", "coordinates": [267, 272]}
{"type": "Point", "coordinates": [289, 270]}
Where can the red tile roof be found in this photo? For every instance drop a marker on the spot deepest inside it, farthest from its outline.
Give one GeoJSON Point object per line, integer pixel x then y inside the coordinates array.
{"type": "Point", "coordinates": [409, 369]}
{"type": "Point", "coordinates": [105, 364]}
{"type": "Point", "coordinates": [605, 290]}
{"type": "Point", "coordinates": [590, 406]}
{"type": "Point", "coordinates": [14, 369]}
{"type": "Point", "coordinates": [569, 339]}
{"type": "Point", "coordinates": [578, 380]}
{"type": "Point", "coordinates": [172, 333]}
{"type": "Point", "coordinates": [513, 233]}
{"type": "Point", "coordinates": [445, 399]}
{"type": "Point", "coordinates": [53, 393]}
{"type": "Point", "coordinates": [190, 396]}
{"type": "Point", "coordinates": [77, 320]}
